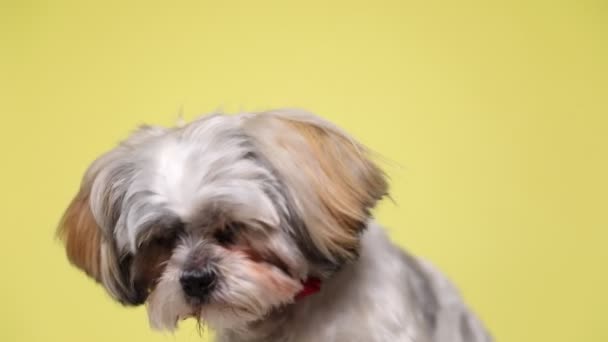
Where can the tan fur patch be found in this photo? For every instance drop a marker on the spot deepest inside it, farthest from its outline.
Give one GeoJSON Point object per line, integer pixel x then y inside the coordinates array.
{"type": "Point", "coordinates": [347, 183]}
{"type": "Point", "coordinates": [82, 236]}
{"type": "Point", "coordinates": [332, 177]}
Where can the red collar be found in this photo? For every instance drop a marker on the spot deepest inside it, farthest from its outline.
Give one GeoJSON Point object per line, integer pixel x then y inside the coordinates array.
{"type": "Point", "coordinates": [310, 286]}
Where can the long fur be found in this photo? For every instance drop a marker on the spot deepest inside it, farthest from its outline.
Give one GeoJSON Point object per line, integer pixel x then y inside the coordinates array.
{"type": "Point", "coordinates": [260, 203]}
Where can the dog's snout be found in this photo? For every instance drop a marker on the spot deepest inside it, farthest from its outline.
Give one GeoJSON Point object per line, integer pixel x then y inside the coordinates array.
{"type": "Point", "coordinates": [198, 283]}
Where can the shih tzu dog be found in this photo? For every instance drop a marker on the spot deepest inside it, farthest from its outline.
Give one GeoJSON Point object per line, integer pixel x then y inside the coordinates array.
{"type": "Point", "coordinates": [259, 226]}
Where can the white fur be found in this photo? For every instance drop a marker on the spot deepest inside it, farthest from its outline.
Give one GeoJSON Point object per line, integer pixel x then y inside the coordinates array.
{"type": "Point", "coordinates": [223, 169]}
{"type": "Point", "coordinates": [369, 300]}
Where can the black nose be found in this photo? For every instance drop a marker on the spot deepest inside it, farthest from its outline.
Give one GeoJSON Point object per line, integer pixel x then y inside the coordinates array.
{"type": "Point", "coordinates": [198, 283]}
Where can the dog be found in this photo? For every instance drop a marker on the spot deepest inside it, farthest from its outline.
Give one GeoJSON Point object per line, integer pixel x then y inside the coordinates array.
{"type": "Point", "coordinates": [259, 226]}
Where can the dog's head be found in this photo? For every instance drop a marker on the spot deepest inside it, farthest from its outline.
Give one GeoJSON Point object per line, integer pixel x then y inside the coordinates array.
{"type": "Point", "coordinates": [223, 218]}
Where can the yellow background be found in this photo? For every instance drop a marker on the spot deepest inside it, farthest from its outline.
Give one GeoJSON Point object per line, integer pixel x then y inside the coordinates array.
{"type": "Point", "coordinates": [493, 115]}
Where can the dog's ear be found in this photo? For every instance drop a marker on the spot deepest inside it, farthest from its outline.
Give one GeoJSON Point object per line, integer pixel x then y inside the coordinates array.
{"type": "Point", "coordinates": [331, 177]}
{"type": "Point", "coordinates": [82, 236]}
{"type": "Point", "coordinates": [88, 227]}
{"type": "Point", "coordinates": [89, 249]}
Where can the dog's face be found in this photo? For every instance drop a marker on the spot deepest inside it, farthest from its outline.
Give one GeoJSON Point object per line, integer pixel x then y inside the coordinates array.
{"type": "Point", "coordinates": [221, 219]}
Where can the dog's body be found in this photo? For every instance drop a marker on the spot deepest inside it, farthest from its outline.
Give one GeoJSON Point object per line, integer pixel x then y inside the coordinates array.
{"type": "Point", "coordinates": [386, 295]}
{"type": "Point", "coordinates": [229, 217]}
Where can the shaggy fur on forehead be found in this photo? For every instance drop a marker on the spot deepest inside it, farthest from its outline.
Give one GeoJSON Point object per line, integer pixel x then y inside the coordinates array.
{"type": "Point", "coordinates": [207, 163]}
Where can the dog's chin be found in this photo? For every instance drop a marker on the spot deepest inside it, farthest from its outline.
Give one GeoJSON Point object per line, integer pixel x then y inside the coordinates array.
{"type": "Point", "coordinates": [248, 291]}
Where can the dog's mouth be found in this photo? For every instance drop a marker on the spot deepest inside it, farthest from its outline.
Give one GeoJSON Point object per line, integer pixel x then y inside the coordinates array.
{"type": "Point", "coordinates": [266, 261]}
{"type": "Point", "coordinates": [250, 284]}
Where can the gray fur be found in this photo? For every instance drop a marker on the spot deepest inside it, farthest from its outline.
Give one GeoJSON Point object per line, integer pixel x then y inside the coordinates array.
{"type": "Point", "coordinates": [373, 300]}
{"type": "Point", "coordinates": [190, 181]}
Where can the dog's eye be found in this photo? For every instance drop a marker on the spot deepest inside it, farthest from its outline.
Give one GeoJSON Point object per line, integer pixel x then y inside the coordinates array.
{"type": "Point", "coordinates": [164, 241]}
{"type": "Point", "coordinates": [227, 234]}
{"type": "Point", "coordinates": [164, 234]}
